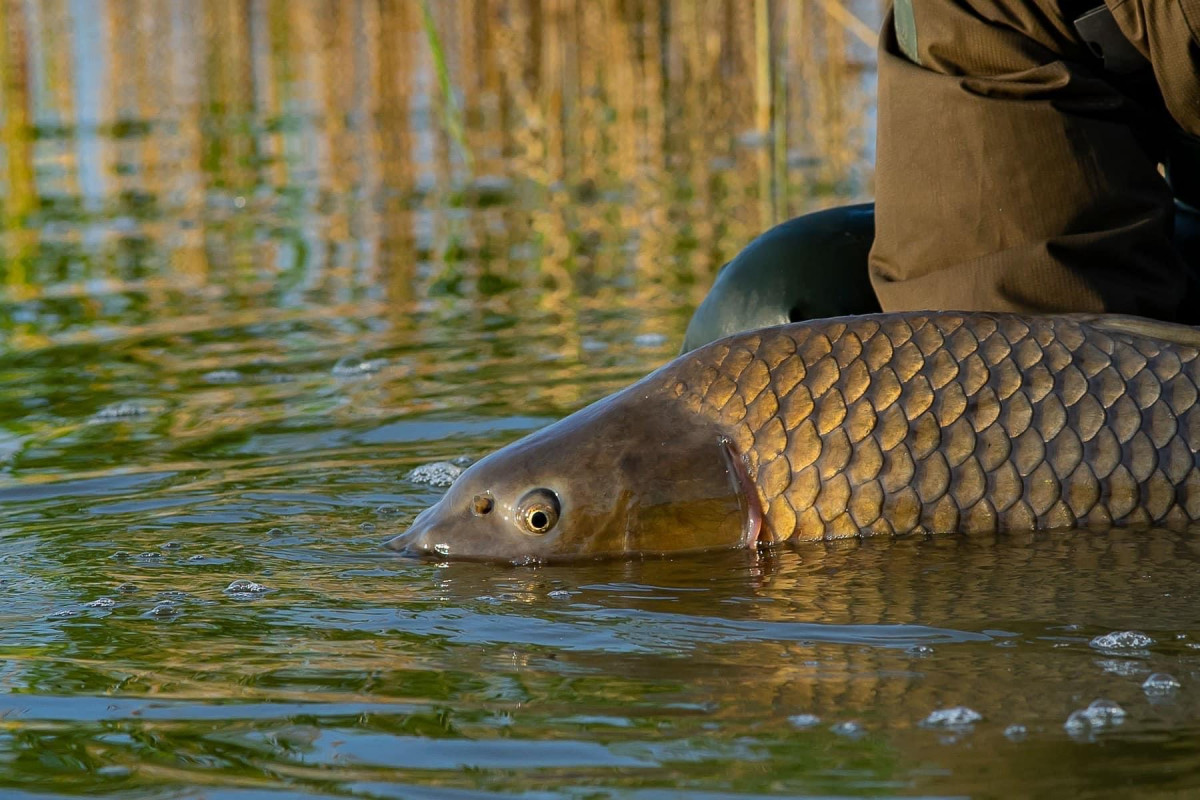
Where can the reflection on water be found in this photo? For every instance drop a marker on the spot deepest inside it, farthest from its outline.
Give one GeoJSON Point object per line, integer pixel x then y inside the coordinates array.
{"type": "Point", "coordinates": [354, 672]}
{"type": "Point", "coordinates": [262, 258]}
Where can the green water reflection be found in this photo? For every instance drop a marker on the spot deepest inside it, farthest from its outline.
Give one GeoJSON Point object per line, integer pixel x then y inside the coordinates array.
{"type": "Point", "coordinates": [260, 259]}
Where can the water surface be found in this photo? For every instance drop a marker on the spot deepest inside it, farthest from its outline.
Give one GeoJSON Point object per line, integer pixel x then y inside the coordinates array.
{"type": "Point", "coordinates": [262, 259]}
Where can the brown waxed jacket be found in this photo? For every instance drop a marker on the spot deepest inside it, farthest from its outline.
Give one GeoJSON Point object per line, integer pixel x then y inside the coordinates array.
{"type": "Point", "coordinates": [1015, 173]}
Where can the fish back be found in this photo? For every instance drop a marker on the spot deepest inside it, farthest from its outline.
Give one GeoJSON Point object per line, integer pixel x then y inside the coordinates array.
{"type": "Point", "coordinates": [973, 422]}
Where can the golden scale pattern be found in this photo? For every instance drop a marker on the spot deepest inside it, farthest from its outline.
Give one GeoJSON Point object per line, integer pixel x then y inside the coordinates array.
{"type": "Point", "coordinates": [911, 423]}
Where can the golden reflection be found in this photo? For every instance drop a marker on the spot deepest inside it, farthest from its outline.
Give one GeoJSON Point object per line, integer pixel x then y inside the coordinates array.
{"type": "Point", "coordinates": [657, 134]}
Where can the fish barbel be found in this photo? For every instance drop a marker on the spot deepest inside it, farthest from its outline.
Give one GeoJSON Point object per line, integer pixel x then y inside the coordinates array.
{"type": "Point", "coordinates": [882, 424]}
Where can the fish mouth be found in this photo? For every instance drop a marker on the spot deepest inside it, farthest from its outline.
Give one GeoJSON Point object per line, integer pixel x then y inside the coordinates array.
{"type": "Point", "coordinates": [416, 541]}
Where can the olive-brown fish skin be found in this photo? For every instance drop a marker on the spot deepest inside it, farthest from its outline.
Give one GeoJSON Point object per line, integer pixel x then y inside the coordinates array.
{"type": "Point", "coordinates": [878, 424]}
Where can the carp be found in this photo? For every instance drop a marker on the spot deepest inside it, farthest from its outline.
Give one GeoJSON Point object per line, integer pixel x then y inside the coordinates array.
{"type": "Point", "coordinates": [881, 424]}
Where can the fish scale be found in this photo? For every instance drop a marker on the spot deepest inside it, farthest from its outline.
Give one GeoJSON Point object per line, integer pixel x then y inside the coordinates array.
{"type": "Point", "coordinates": [972, 422]}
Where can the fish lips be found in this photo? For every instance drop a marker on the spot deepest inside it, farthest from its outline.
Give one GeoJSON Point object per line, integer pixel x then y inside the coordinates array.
{"type": "Point", "coordinates": [416, 541]}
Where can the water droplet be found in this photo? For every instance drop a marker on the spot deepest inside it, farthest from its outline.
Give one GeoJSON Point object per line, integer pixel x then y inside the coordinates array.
{"type": "Point", "coordinates": [804, 720]}
{"type": "Point", "coordinates": [1016, 732]}
{"type": "Point", "coordinates": [353, 366]}
{"type": "Point", "coordinates": [957, 717]}
{"type": "Point", "coordinates": [1160, 683]}
{"type": "Point", "coordinates": [437, 473]}
{"type": "Point", "coordinates": [1122, 640]}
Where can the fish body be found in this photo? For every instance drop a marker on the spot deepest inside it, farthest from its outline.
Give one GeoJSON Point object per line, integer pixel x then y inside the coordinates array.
{"type": "Point", "coordinates": [883, 424]}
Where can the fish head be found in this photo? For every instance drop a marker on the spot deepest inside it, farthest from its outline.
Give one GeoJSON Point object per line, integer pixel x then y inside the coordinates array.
{"type": "Point", "coordinates": [631, 475]}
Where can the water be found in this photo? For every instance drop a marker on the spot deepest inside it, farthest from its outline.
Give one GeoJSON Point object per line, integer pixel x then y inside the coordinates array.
{"type": "Point", "coordinates": [258, 267]}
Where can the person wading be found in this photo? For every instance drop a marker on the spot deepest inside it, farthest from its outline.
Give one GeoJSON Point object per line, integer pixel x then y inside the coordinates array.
{"type": "Point", "coordinates": [1039, 157]}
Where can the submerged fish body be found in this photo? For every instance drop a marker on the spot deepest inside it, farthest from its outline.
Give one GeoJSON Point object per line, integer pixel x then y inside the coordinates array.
{"type": "Point", "coordinates": [884, 424]}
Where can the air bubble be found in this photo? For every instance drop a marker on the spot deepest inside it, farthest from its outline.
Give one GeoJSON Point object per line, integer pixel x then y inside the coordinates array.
{"type": "Point", "coordinates": [1160, 683]}
{"type": "Point", "coordinates": [559, 594]}
{"type": "Point", "coordinates": [920, 650]}
{"type": "Point", "coordinates": [850, 729]}
{"type": "Point", "coordinates": [128, 588]}
{"type": "Point", "coordinates": [1122, 640]}
{"type": "Point", "coordinates": [1097, 716]}
{"type": "Point", "coordinates": [242, 589]}
{"type": "Point", "coordinates": [367, 527]}
{"type": "Point", "coordinates": [102, 602]}
{"type": "Point", "coordinates": [164, 610]}
{"type": "Point", "coordinates": [956, 718]}
{"type": "Point", "coordinates": [438, 473]}
{"type": "Point", "coordinates": [804, 720]}
{"type": "Point", "coordinates": [1016, 732]}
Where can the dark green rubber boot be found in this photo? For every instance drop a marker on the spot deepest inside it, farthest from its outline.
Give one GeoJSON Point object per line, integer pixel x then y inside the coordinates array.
{"type": "Point", "coordinates": [809, 267]}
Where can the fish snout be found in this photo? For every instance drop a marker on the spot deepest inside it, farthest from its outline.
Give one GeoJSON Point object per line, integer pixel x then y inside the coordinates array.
{"type": "Point", "coordinates": [417, 540]}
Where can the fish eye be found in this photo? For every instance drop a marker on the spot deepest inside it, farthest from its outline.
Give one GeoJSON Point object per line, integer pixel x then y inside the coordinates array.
{"type": "Point", "coordinates": [538, 511]}
{"type": "Point", "coordinates": [482, 504]}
